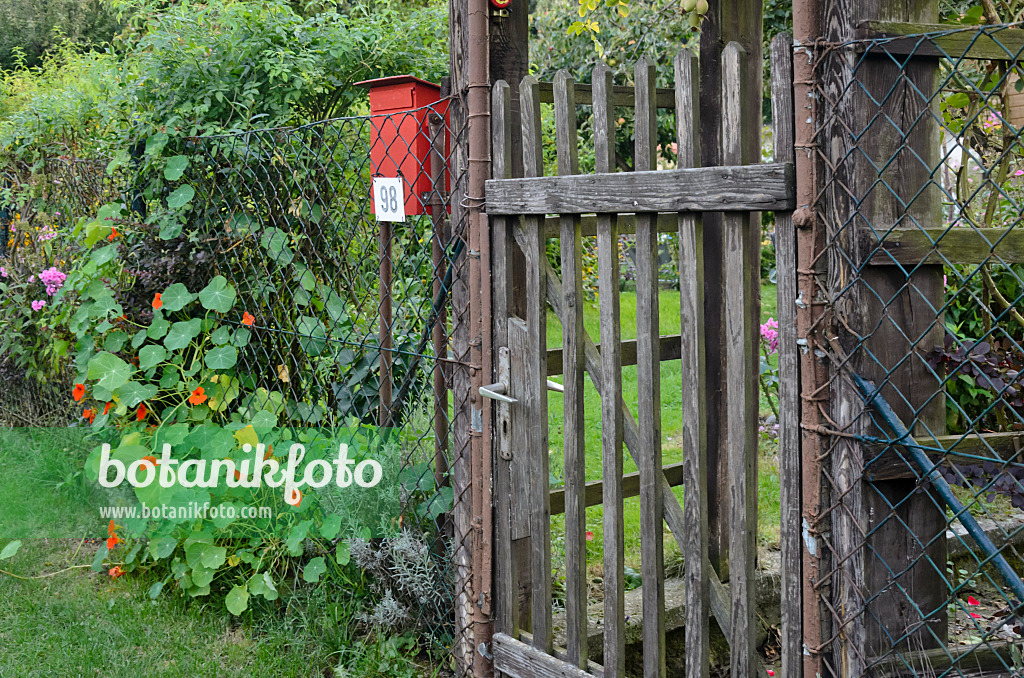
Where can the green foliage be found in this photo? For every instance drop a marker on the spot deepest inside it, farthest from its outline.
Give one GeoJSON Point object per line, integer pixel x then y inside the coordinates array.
{"type": "Point", "coordinates": [33, 28]}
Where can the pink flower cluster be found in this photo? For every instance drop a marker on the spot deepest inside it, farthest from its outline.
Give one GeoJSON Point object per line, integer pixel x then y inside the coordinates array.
{"type": "Point", "coordinates": [47, 234]}
{"type": "Point", "coordinates": [770, 335]}
{"type": "Point", "coordinates": [3, 272]}
{"type": "Point", "coordinates": [53, 279]}
{"type": "Point", "coordinates": [38, 304]}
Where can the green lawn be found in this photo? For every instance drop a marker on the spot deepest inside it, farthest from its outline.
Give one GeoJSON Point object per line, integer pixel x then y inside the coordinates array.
{"type": "Point", "coordinates": [671, 423]}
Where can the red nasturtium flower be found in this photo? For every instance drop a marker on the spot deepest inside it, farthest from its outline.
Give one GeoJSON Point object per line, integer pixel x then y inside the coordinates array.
{"type": "Point", "coordinates": [113, 233]}
{"type": "Point", "coordinates": [294, 497]}
{"type": "Point", "coordinates": [116, 571]}
{"type": "Point", "coordinates": [158, 303]}
{"type": "Point", "coordinates": [78, 392]}
{"type": "Point", "coordinates": [106, 408]}
{"type": "Point", "coordinates": [247, 319]}
{"type": "Point", "coordinates": [151, 459]}
{"type": "Point", "coordinates": [198, 396]}
{"type": "Point", "coordinates": [89, 414]}
{"type": "Point", "coordinates": [112, 541]}
{"type": "Point", "coordinates": [111, 527]}
{"type": "Point", "coordinates": [141, 414]}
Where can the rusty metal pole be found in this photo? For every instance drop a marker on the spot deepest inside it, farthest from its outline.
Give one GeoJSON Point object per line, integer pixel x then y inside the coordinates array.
{"type": "Point", "coordinates": [478, 97]}
{"type": "Point", "coordinates": [439, 334]}
{"type": "Point", "coordinates": [813, 370]}
{"type": "Point", "coordinates": [385, 338]}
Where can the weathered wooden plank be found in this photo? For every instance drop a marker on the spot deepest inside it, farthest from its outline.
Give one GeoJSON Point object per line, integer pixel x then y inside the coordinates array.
{"type": "Point", "coordinates": [593, 494]}
{"type": "Point", "coordinates": [942, 40]}
{"type": "Point", "coordinates": [537, 394]}
{"type": "Point", "coordinates": [741, 400]}
{"type": "Point", "coordinates": [694, 390]}
{"type": "Point", "coordinates": [567, 147]}
{"type": "Point", "coordinates": [613, 490]}
{"type": "Point", "coordinates": [789, 372]}
{"type": "Point", "coordinates": [670, 348]}
{"type": "Point", "coordinates": [519, 660]}
{"type": "Point", "coordinates": [999, 448]}
{"type": "Point", "coordinates": [700, 189]}
{"type": "Point", "coordinates": [506, 603]}
{"type": "Point", "coordinates": [519, 470]}
{"type": "Point", "coordinates": [648, 373]}
{"type": "Point", "coordinates": [622, 95]}
{"type": "Point", "coordinates": [667, 223]}
{"type": "Point", "coordinates": [990, 658]}
{"type": "Point", "coordinates": [593, 668]}
{"type": "Point", "coordinates": [910, 247]}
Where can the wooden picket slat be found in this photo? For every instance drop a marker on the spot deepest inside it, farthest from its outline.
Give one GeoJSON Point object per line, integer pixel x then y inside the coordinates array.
{"type": "Point", "coordinates": [506, 604]}
{"type": "Point", "coordinates": [739, 264]}
{"type": "Point", "coordinates": [649, 385]}
{"type": "Point", "coordinates": [789, 370]}
{"type": "Point", "coordinates": [691, 277]}
{"type": "Point", "coordinates": [571, 241]}
{"type": "Point", "coordinates": [611, 405]}
{"type": "Point", "coordinates": [536, 362]}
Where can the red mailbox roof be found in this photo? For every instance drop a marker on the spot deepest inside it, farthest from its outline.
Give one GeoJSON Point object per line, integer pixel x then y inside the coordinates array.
{"type": "Point", "coordinates": [396, 80]}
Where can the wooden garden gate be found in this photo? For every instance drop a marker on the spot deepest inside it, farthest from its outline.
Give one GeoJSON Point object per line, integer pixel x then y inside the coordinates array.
{"type": "Point", "coordinates": [609, 204]}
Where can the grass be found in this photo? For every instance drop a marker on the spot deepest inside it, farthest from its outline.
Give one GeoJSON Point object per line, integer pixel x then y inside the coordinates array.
{"type": "Point", "coordinates": [671, 423]}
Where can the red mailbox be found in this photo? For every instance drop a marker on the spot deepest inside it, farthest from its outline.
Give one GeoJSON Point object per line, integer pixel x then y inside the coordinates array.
{"type": "Point", "coordinates": [401, 143]}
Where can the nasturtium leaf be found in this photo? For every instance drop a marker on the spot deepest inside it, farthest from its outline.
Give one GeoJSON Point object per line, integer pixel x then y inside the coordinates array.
{"type": "Point", "coordinates": [298, 532]}
{"type": "Point", "coordinates": [103, 254]}
{"type": "Point", "coordinates": [275, 241]}
{"type": "Point", "coordinates": [218, 295]}
{"type": "Point", "coordinates": [204, 555]}
{"type": "Point", "coordinates": [202, 577]}
{"type": "Point", "coordinates": [241, 337]}
{"type": "Point", "coordinates": [109, 370]}
{"type": "Point", "coordinates": [175, 167]}
{"type": "Point", "coordinates": [151, 355]}
{"type": "Point", "coordinates": [264, 419]}
{"type": "Point", "coordinates": [330, 527]}
{"type": "Point", "coordinates": [342, 553]}
{"type": "Point", "coordinates": [132, 393]}
{"type": "Point", "coordinates": [262, 584]}
{"type": "Point", "coordinates": [237, 600]}
{"type": "Point", "coordinates": [158, 326]}
{"type": "Point", "coordinates": [314, 569]}
{"type": "Point", "coordinates": [221, 358]}
{"type": "Point", "coordinates": [211, 440]}
{"type": "Point", "coordinates": [97, 560]}
{"type": "Point", "coordinates": [162, 547]}
{"type": "Point", "coordinates": [182, 333]}
{"type": "Point", "coordinates": [180, 196]}
{"type": "Point", "coordinates": [176, 297]}
{"type": "Point", "coordinates": [139, 339]}
{"type": "Point", "coordinates": [246, 436]}
{"type": "Point", "coordinates": [221, 335]}
{"type": "Point", "coordinates": [115, 341]}
{"type": "Point", "coordinates": [155, 589]}
{"type": "Point", "coordinates": [169, 378]}
{"type": "Point", "coordinates": [10, 550]}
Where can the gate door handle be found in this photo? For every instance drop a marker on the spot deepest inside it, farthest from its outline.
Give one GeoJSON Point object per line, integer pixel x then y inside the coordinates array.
{"type": "Point", "coordinates": [497, 392]}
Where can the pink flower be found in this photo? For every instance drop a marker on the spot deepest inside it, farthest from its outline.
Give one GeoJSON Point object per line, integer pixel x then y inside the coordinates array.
{"type": "Point", "coordinates": [3, 272]}
{"type": "Point", "coordinates": [590, 536]}
{"type": "Point", "coordinates": [53, 279]}
{"type": "Point", "coordinates": [38, 304]}
{"type": "Point", "coordinates": [770, 335]}
{"type": "Point", "coordinates": [971, 600]}
{"type": "Point", "coordinates": [1019, 173]}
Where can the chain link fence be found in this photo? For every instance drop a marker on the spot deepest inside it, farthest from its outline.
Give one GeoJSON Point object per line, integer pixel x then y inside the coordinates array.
{"type": "Point", "coordinates": [352, 320]}
{"type": "Point", "coordinates": [919, 290]}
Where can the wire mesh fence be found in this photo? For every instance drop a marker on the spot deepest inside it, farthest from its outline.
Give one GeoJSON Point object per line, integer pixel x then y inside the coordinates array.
{"type": "Point", "coordinates": [350, 321]}
{"type": "Point", "coordinates": [920, 284]}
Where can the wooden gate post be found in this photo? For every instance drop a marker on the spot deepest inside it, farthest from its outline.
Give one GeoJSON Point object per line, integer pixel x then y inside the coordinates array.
{"type": "Point", "coordinates": [880, 579]}
{"type": "Point", "coordinates": [726, 21]}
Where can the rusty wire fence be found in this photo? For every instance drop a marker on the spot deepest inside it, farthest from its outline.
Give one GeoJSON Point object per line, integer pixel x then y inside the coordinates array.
{"type": "Point", "coordinates": [352, 320]}
{"type": "Point", "coordinates": [917, 488]}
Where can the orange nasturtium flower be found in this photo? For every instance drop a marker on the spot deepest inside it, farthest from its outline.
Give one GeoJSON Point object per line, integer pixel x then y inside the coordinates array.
{"type": "Point", "coordinates": [116, 571]}
{"type": "Point", "coordinates": [111, 528]}
{"type": "Point", "coordinates": [158, 303]}
{"type": "Point", "coordinates": [198, 396]}
{"type": "Point", "coordinates": [112, 541]}
{"type": "Point", "coordinates": [141, 414]}
{"type": "Point", "coordinates": [78, 392]}
{"type": "Point", "coordinates": [113, 234]}
{"type": "Point", "coordinates": [151, 459]}
{"type": "Point", "coordinates": [106, 408]}
{"type": "Point", "coordinates": [248, 319]}
{"type": "Point", "coordinates": [89, 414]}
